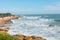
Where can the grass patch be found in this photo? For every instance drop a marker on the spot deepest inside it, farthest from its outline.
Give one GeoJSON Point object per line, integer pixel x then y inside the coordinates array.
{"type": "Point", "coordinates": [5, 14]}
{"type": "Point", "coordinates": [6, 36]}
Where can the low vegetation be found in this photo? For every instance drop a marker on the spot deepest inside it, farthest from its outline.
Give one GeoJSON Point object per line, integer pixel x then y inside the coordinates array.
{"type": "Point", "coordinates": [5, 14]}
{"type": "Point", "coordinates": [6, 36]}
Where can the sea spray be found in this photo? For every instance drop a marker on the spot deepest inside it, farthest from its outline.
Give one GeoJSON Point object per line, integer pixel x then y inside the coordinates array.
{"type": "Point", "coordinates": [36, 26]}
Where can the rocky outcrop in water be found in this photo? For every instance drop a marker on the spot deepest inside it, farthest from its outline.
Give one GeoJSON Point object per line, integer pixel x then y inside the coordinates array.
{"type": "Point", "coordinates": [7, 19]}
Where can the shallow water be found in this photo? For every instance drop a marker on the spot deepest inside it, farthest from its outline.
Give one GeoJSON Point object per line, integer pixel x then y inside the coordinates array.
{"type": "Point", "coordinates": [36, 26]}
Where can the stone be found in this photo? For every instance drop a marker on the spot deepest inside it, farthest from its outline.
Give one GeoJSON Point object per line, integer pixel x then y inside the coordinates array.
{"type": "Point", "coordinates": [23, 37]}
{"type": "Point", "coordinates": [4, 29]}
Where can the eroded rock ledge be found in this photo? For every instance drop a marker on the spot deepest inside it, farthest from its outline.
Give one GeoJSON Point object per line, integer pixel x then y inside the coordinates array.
{"type": "Point", "coordinates": [7, 19]}
{"type": "Point", "coordinates": [22, 37]}
{"type": "Point", "coordinates": [4, 29]}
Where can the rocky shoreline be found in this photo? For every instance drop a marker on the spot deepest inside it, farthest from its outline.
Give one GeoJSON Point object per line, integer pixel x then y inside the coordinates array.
{"type": "Point", "coordinates": [21, 37]}
{"type": "Point", "coordinates": [7, 19]}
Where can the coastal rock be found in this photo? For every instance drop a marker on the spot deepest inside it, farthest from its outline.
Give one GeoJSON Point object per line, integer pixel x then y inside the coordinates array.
{"type": "Point", "coordinates": [4, 29]}
{"type": "Point", "coordinates": [10, 17]}
{"type": "Point", "coordinates": [7, 19]}
{"type": "Point", "coordinates": [22, 37]}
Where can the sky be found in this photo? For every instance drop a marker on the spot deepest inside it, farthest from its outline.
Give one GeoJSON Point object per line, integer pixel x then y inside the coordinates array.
{"type": "Point", "coordinates": [30, 6]}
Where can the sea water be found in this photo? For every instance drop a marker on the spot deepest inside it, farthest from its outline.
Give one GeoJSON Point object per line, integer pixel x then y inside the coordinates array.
{"type": "Point", "coordinates": [42, 25]}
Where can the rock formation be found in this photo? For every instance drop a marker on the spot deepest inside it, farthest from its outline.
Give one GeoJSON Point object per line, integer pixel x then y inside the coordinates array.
{"type": "Point", "coordinates": [22, 37]}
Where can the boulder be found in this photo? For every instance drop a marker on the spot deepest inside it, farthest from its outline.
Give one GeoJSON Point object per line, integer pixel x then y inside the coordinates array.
{"type": "Point", "coordinates": [4, 29]}
{"type": "Point", "coordinates": [7, 19]}
{"type": "Point", "coordinates": [23, 37]}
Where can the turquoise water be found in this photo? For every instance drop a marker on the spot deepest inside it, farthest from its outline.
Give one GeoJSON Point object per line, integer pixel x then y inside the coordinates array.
{"type": "Point", "coordinates": [44, 25]}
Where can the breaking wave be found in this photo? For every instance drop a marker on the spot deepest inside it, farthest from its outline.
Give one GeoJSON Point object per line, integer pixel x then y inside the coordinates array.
{"type": "Point", "coordinates": [36, 26]}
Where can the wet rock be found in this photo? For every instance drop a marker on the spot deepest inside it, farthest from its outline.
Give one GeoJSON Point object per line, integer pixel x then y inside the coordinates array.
{"type": "Point", "coordinates": [7, 19]}
{"type": "Point", "coordinates": [21, 37]}
{"type": "Point", "coordinates": [51, 25]}
{"type": "Point", "coordinates": [4, 29]}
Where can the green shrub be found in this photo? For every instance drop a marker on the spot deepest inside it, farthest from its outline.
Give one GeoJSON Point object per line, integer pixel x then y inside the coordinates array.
{"type": "Point", "coordinates": [5, 14]}
{"type": "Point", "coordinates": [6, 36]}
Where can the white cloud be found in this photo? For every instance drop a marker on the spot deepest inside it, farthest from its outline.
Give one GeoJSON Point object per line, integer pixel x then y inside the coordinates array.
{"type": "Point", "coordinates": [14, 10]}
{"type": "Point", "coordinates": [51, 8]}
{"type": "Point", "coordinates": [54, 8]}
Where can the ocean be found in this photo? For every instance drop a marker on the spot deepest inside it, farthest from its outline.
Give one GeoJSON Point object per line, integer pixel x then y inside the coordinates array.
{"type": "Point", "coordinates": [42, 25]}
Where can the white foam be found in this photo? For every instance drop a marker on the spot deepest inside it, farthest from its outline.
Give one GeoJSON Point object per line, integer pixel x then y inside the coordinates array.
{"type": "Point", "coordinates": [51, 38]}
{"type": "Point", "coordinates": [35, 27]}
{"type": "Point", "coordinates": [32, 17]}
